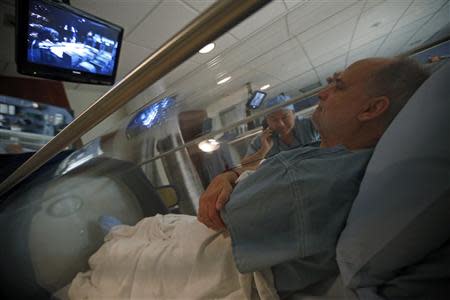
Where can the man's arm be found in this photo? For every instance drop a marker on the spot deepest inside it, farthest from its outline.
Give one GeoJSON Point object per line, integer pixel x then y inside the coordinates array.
{"type": "Point", "coordinates": [214, 198]}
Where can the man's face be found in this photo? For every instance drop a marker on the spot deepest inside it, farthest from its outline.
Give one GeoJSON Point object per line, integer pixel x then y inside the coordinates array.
{"type": "Point", "coordinates": [281, 121]}
{"type": "Point", "coordinates": [343, 99]}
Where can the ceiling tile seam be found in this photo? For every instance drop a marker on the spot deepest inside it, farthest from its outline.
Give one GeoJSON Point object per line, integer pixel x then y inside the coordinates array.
{"type": "Point", "coordinates": [392, 29]}
{"type": "Point", "coordinates": [274, 20]}
{"type": "Point", "coordinates": [191, 7]}
{"type": "Point", "coordinates": [424, 24]}
{"type": "Point", "coordinates": [355, 3]}
{"type": "Point", "coordinates": [375, 6]}
{"type": "Point", "coordinates": [308, 58]}
{"type": "Point", "coordinates": [353, 33]}
{"type": "Point", "coordinates": [142, 20]}
{"type": "Point", "coordinates": [303, 49]}
{"type": "Point", "coordinates": [293, 77]}
{"type": "Point", "coordinates": [330, 60]}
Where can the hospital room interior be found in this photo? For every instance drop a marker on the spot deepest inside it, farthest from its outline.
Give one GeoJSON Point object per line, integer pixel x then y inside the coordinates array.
{"type": "Point", "coordinates": [118, 118]}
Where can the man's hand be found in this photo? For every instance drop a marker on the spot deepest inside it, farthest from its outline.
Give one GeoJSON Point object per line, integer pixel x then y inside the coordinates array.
{"type": "Point", "coordinates": [214, 198]}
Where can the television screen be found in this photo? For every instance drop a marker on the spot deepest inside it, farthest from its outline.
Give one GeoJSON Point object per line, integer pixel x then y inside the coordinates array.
{"type": "Point", "coordinates": [256, 99]}
{"type": "Point", "coordinates": [152, 115]}
{"type": "Point", "coordinates": [57, 41]}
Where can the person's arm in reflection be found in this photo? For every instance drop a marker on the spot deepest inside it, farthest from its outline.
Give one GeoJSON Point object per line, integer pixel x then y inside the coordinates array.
{"type": "Point", "coordinates": [252, 161]}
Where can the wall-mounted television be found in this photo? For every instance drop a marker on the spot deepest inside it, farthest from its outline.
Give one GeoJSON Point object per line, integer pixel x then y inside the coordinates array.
{"type": "Point", "coordinates": [256, 99]}
{"type": "Point", "coordinates": [57, 41]}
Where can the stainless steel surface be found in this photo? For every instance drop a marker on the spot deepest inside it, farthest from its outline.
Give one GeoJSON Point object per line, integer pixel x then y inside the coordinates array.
{"type": "Point", "coordinates": [215, 21]}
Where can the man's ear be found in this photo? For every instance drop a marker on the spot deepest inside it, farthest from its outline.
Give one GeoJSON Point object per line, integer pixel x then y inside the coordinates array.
{"type": "Point", "coordinates": [374, 108]}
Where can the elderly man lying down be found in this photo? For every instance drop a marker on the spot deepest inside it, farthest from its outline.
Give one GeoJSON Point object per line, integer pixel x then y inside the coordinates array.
{"type": "Point", "coordinates": [274, 233]}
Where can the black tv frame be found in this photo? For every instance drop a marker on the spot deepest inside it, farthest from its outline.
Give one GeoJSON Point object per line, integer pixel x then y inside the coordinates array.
{"type": "Point", "coordinates": [253, 95]}
{"type": "Point", "coordinates": [52, 72]}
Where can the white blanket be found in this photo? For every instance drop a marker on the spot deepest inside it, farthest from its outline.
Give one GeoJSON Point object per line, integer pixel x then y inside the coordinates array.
{"type": "Point", "coordinates": [168, 257]}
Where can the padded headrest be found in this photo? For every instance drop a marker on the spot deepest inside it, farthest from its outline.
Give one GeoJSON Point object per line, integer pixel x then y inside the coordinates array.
{"type": "Point", "coordinates": [401, 211]}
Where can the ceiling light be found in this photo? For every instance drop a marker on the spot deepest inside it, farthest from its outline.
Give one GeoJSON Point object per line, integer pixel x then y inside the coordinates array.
{"type": "Point", "coordinates": [264, 87]}
{"type": "Point", "coordinates": [222, 81]}
{"type": "Point", "coordinates": [209, 145]}
{"type": "Point", "coordinates": [208, 48]}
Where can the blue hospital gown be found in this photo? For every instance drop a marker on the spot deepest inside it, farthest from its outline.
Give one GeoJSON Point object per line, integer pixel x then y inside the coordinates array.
{"type": "Point", "coordinates": [289, 213]}
{"type": "Point", "coordinates": [304, 133]}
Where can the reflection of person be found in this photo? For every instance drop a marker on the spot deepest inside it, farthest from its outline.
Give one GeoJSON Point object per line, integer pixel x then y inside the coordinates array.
{"type": "Point", "coordinates": [284, 132]}
{"type": "Point", "coordinates": [288, 214]}
{"type": "Point", "coordinates": [285, 217]}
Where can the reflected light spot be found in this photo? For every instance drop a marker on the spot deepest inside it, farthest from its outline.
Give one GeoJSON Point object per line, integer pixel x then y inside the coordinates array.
{"type": "Point", "coordinates": [209, 145]}
{"type": "Point", "coordinates": [226, 79]}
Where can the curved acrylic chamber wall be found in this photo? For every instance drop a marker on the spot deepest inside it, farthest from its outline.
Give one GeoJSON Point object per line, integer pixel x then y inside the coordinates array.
{"type": "Point", "coordinates": [56, 219]}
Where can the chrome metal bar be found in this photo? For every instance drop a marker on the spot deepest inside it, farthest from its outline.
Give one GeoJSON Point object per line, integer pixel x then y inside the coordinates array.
{"type": "Point", "coordinates": [211, 24]}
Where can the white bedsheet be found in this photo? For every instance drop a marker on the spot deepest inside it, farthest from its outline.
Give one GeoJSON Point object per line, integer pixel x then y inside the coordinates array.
{"type": "Point", "coordinates": [168, 257]}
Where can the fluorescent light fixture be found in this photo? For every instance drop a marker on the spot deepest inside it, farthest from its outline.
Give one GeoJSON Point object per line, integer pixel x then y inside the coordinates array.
{"type": "Point", "coordinates": [264, 87]}
{"type": "Point", "coordinates": [222, 81]}
{"type": "Point", "coordinates": [208, 48]}
{"type": "Point", "coordinates": [209, 145]}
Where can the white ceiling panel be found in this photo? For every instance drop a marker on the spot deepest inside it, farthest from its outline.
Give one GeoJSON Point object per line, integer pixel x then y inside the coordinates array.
{"type": "Point", "coordinates": [379, 21]}
{"type": "Point", "coordinates": [269, 37]}
{"type": "Point", "coordinates": [398, 38]}
{"type": "Point", "coordinates": [289, 65]}
{"type": "Point", "coordinates": [199, 5]}
{"type": "Point", "coordinates": [273, 54]}
{"type": "Point", "coordinates": [162, 23]}
{"type": "Point", "coordinates": [439, 20]}
{"type": "Point", "coordinates": [183, 69]}
{"type": "Point", "coordinates": [130, 56]}
{"type": "Point", "coordinates": [290, 4]}
{"type": "Point", "coordinates": [124, 13]}
{"type": "Point", "coordinates": [253, 47]}
{"type": "Point", "coordinates": [221, 44]}
{"type": "Point", "coordinates": [303, 80]}
{"type": "Point", "coordinates": [313, 12]}
{"type": "Point", "coordinates": [418, 10]}
{"type": "Point", "coordinates": [328, 69]}
{"type": "Point", "coordinates": [335, 21]}
{"type": "Point", "coordinates": [233, 59]}
{"type": "Point", "coordinates": [261, 18]}
{"type": "Point", "coordinates": [331, 43]}
{"type": "Point", "coordinates": [281, 88]}
{"type": "Point", "coordinates": [365, 51]}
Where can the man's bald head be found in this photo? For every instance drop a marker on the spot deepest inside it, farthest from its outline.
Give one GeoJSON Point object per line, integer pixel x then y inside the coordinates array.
{"type": "Point", "coordinates": [360, 102]}
{"type": "Point", "coordinates": [396, 78]}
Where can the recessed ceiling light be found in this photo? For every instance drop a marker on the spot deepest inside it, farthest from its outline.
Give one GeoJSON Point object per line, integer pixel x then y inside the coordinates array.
{"type": "Point", "coordinates": [222, 81]}
{"type": "Point", "coordinates": [208, 48]}
{"type": "Point", "coordinates": [265, 87]}
{"type": "Point", "coordinates": [209, 145]}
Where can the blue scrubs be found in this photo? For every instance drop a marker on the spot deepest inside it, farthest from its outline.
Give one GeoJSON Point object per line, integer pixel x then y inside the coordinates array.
{"type": "Point", "coordinates": [304, 133]}
{"type": "Point", "coordinates": [289, 213]}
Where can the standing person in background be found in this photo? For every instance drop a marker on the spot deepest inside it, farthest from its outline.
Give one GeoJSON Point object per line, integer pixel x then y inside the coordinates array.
{"type": "Point", "coordinates": [284, 132]}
